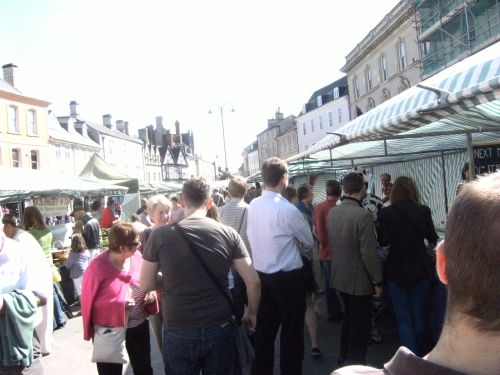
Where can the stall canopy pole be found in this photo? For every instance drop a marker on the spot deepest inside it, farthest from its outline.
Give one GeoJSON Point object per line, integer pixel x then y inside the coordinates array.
{"type": "Point", "coordinates": [470, 153]}
{"type": "Point", "coordinates": [331, 159]}
{"type": "Point", "coordinates": [445, 189]}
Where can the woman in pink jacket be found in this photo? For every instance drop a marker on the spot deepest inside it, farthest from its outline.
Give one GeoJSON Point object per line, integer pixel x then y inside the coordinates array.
{"type": "Point", "coordinates": [111, 297]}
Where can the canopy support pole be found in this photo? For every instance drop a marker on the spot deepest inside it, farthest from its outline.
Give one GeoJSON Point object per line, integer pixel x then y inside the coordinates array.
{"type": "Point", "coordinates": [352, 163]}
{"type": "Point", "coordinates": [445, 189]}
{"type": "Point", "coordinates": [470, 153]}
{"type": "Point", "coordinates": [385, 147]}
{"type": "Point", "coordinates": [331, 159]}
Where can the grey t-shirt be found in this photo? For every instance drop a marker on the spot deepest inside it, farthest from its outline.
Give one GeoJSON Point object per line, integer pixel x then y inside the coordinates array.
{"type": "Point", "coordinates": [191, 299]}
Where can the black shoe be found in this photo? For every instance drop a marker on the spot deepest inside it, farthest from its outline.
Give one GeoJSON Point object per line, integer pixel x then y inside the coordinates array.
{"type": "Point", "coordinates": [315, 352]}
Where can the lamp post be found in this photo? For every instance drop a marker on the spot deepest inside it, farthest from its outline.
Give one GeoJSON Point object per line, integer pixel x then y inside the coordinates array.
{"type": "Point", "coordinates": [221, 109]}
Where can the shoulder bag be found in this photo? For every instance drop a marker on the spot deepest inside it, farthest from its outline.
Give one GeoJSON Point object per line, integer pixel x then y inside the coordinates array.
{"type": "Point", "coordinates": [244, 349]}
{"type": "Point", "coordinates": [109, 345]}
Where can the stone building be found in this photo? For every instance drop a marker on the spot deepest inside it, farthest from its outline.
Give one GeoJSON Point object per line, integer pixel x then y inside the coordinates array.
{"type": "Point", "coordinates": [267, 143]}
{"type": "Point", "coordinates": [386, 62]}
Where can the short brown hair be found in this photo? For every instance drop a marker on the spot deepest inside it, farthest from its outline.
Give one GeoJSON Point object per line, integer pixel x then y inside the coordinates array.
{"type": "Point", "coordinates": [237, 187]}
{"type": "Point", "coordinates": [303, 191]}
{"type": "Point", "coordinates": [404, 188]}
{"type": "Point", "coordinates": [353, 183]}
{"type": "Point", "coordinates": [473, 255]}
{"type": "Point", "coordinates": [196, 193]}
{"type": "Point", "coordinates": [289, 193]}
{"type": "Point", "coordinates": [273, 169]}
{"type": "Point", "coordinates": [121, 234]}
{"type": "Point", "coordinates": [333, 188]}
{"type": "Point", "coordinates": [33, 218]}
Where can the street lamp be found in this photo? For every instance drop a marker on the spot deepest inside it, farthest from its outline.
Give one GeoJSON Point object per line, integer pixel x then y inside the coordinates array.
{"type": "Point", "coordinates": [221, 109]}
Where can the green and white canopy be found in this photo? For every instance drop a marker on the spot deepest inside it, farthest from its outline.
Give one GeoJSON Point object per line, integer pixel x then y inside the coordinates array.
{"type": "Point", "coordinates": [436, 115]}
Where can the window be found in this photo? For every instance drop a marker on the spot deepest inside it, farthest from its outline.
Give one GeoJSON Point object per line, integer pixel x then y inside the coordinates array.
{"type": "Point", "coordinates": [58, 151]}
{"type": "Point", "coordinates": [371, 103]}
{"type": "Point", "coordinates": [32, 126]}
{"type": "Point", "coordinates": [13, 119]}
{"type": "Point", "coordinates": [339, 115]}
{"type": "Point", "coordinates": [402, 56]}
{"type": "Point", "coordinates": [312, 125]}
{"type": "Point", "coordinates": [321, 122]}
{"type": "Point", "coordinates": [35, 163]}
{"type": "Point", "coordinates": [336, 93]}
{"type": "Point", "coordinates": [304, 128]}
{"type": "Point", "coordinates": [319, 100]}
{"type": "Point", "coordinates": [16, 158]}
{"type": "Point", "coordinates": [386, 95]}
{"type": "Point", "coordinates": [368, 74]}
{"type": "Point", "coordinates": [330, 119]}
{"type": "Point", "coordinates": [355, 87]}
{"type": "Point", "coordinates": [383, 69]}
{"type": "Point", "coordinates": [67, 152]}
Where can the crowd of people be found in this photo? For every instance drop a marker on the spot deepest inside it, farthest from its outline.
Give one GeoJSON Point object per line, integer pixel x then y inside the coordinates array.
{"type": "Point", "coordinates": [199, 268]}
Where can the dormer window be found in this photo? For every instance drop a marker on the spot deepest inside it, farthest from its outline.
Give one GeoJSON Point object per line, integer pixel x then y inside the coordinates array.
{"type": "Point", "coordinates": [336, 93]}
{"type": "Point", "coordinates": [319, 100]}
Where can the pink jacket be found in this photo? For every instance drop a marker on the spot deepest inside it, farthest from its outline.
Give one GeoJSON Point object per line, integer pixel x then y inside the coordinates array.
{"type": "Point", "coordinates": [104, 292]}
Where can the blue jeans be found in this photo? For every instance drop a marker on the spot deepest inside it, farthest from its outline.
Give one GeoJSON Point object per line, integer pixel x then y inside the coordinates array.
{"type": "Point", "coordinates": [210, 350]}
{"type": "Point", "coordinates": [410, 308]}
{"type": "Point", "coordinates": [333, 305]}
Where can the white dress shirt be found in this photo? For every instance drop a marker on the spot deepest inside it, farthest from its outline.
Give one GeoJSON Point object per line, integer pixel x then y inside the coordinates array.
{"type": "Point", "coordinates": [275, 228]}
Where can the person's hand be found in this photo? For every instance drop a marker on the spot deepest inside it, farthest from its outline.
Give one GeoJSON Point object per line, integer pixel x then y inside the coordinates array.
{"type": "Point", "coordinates": [377, 292]}
{"type": "Point", "coordinates": [150, 297]}
{"type": "Point", "coordinates": [249, 321]}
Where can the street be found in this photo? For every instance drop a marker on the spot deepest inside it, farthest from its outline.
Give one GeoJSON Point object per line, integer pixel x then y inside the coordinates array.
{"type": "Point", "coordinates": [71, 354]}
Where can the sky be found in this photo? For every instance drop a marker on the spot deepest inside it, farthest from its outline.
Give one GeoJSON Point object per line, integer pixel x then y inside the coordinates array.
{"type": "Point", "coordinates": [140, 59]}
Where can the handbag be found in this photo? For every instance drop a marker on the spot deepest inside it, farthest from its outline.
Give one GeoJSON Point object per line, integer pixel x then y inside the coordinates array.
{"type": "Point", "coordinates": [153, 307]}
{"type": "Point", "coordinates": [244, 348]}
{"type": "Point", "coordinates": [109, 345]}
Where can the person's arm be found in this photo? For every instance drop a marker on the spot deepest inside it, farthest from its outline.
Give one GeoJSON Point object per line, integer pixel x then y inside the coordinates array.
{"type": "Point", "coordinates": [149, 279]}
{"type": "Point", "coordinates": [90, 286]}
{"type": "Point", "coordinates": [252, 283]}
{"type": "Point", "coordinates": [430, 232]}
{"type": "Point", "coordinates": [368, 250]}
{"type": "Point", "coordinates": [300, 229]}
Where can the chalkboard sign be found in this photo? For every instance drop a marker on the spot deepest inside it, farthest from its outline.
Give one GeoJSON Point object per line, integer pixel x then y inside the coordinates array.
{"type": "Point", "coordinates": [486, 158]}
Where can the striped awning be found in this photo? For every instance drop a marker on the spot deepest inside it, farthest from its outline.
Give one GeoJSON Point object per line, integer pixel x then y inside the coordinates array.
{"type": "Point", "coordinates": [462, 98]}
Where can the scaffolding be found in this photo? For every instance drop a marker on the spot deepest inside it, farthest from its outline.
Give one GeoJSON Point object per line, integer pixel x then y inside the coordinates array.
{"type": "Point", "coordinates": [450, 30]}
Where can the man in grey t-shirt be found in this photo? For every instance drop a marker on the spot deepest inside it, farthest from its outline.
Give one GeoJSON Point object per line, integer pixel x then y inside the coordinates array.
{"type": "Point", "coordinates": [194, 309]}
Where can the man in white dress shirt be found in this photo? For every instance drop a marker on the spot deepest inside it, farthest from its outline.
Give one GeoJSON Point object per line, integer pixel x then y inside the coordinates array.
{"type": "Point", "coordinates": [275, 229]}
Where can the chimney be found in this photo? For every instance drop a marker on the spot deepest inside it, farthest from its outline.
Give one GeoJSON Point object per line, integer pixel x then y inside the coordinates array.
{"type": "Point", "coordinates": [143, 135]}
{"type": "Point", "coordinates": [159, 122]}
{"type": "Point", "coordinates": [167, 140]}
{"type": "Point", "coordinates": [73, 105]}
{"type": "Point", "coordinates": [8, 73]}
{"type": "Point", "coordinates": [178, 135]}
{"type": "Point", "coordinates": [278, 115]}
{"type": "Point", "coordinates": [120, 126]}
{"type": "Point", "coordinates": [125, 127]}
{"type": "Point", "coordinates": [106, 121]}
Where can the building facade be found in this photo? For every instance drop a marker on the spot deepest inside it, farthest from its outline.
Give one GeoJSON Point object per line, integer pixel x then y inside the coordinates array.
{"type": "Point", "coordinates": [386, 62]}
{"type": "Point", "coordinates": [267, 143]}
{"type": "Point", "coordinates": [253, 162]}
{"type": "Point", "coordinates": [24, 136]}
{"type": "Point", "coordinates": [120, 150]}
{"type": "Point", "coordinates": [70, 149]}
{"type": "Point", "coordinates": [245, 170]}
{"type": "Point", "coordinates": [288, 144]}
{"type": "Point", "coordinates": [152, 155]}
{"type": "Point", "coordinates": [325, 111]}
{"type": "Point", "coordinates": [450, 30]}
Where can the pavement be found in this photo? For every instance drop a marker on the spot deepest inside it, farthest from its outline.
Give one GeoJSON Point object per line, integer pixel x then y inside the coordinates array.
{"type": "Point", "coordinates": [71, 354]}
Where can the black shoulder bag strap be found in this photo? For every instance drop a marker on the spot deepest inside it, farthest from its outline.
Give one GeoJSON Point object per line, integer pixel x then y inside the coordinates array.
{"type": "Point", "coordinates": [208, 272]}
{"type": "Point", "coordinates": [242, 217]}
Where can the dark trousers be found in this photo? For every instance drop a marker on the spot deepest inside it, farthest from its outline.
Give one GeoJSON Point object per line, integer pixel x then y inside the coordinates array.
{"type": "Point", "coordinates": [283, 303]}
{"type": "Point", "coordinates": [138, 349]}
{"type": "Point", "coordinates": [333, 305]}
{"type": "Point", "coordinates": [356, 329]}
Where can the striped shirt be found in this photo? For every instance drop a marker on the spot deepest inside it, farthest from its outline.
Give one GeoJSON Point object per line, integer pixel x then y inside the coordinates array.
{"type": "Point", "coordinates": [136, 314]}
{"type": "Point", "coordinates": [235, 214]}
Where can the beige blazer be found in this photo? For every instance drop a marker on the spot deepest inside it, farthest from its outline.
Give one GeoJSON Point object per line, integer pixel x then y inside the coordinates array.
{"type": "Point", "coordinates": [355, 265]}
